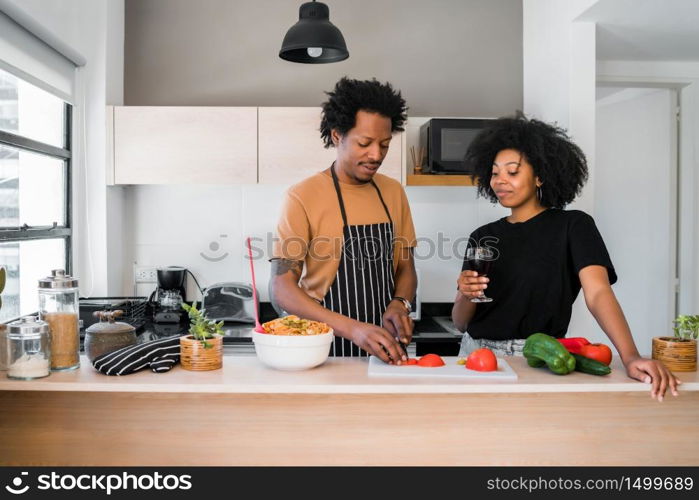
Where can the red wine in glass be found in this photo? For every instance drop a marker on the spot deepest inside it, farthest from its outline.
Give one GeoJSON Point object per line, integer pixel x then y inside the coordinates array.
{"type": "Point", "coordinates": [480, 259]}
{"type": "Point", "coordinates": [479, 265]}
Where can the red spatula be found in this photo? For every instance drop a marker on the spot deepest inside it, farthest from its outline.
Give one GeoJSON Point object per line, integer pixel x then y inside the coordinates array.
{"type": "Point", "coordinates": [258, 326]}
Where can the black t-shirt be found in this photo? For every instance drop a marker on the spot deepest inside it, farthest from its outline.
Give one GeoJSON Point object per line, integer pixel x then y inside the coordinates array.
{"type": "Point", "coordinates": [534, 279]}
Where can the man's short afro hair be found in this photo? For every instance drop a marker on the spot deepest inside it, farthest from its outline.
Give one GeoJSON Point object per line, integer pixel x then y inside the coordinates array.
{"type": "Point", "coordinates": [350, 96]}
{"type": "Point", "coordinates": [558, 163]}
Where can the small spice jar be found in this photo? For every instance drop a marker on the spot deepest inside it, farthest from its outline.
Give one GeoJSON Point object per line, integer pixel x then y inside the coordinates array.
{"type": "Point", "coordinates": [108, 335]}
{"type": "Point", "coordinates": [29, 349]}
{"type": "Point", "coordinates": [58, 306]}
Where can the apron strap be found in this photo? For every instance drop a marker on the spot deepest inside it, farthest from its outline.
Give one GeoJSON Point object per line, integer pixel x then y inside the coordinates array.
{"type": "Point", "coordinates": [336, 182]}
{"type": "Point", "coordinates": [382, 202]}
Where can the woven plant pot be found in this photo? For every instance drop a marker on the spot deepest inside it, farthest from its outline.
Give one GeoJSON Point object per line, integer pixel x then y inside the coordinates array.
{"type": "Point", "coordinates": [678, 355]}
{"type": "Point", "coordinates": [194, 356]}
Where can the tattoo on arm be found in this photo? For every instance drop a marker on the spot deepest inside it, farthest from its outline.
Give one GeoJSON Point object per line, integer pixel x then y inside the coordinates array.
{"type": "Point", "coordinates": [283, 266]}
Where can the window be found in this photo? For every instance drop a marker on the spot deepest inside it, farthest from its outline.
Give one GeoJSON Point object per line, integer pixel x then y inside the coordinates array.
{"type": "Point", "coordinates": [35, 196]}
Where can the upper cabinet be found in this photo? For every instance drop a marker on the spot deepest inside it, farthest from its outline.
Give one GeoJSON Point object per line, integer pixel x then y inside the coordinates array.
{"type": "Point", "coordinates": [290, 147]}
{"type": "Point", "coordinates": [184, 145]}
{"type": "Point", "coordinates": [222, 145]}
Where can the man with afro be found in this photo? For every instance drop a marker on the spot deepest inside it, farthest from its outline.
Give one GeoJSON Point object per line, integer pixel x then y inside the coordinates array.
{"type": "Point", "coordinates": [344, 248]}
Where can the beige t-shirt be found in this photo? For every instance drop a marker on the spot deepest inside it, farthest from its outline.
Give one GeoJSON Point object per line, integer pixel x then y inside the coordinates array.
{"type": "Point", "coordinates": [310, 226]}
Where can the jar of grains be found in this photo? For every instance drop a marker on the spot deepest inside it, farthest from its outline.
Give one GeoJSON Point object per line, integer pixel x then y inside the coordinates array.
{"type": "Point", "coordinates": [58, 306]}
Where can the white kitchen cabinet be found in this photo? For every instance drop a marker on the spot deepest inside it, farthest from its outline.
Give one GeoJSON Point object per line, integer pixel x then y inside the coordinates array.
{"type": "Point", "coordinates": [222, 145]}
{"type": "Point", "coordinates": [290, 147]}
{"type": "Point", "coordinates": [184, 145]}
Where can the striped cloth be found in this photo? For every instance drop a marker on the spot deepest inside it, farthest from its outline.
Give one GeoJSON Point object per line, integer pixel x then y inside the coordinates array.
{"type": "Point", "coordinates": [160, 355]}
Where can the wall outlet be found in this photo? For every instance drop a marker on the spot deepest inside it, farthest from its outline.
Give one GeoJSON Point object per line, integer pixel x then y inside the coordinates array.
{"type": "Point", "coordinates": [144, 274]}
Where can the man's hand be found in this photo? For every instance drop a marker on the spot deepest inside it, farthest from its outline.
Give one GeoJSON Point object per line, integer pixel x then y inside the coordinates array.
{"type": "Point", "coordinates": [653, 372]}
{"type": "Point", "coordinates": [397, 321]}
{"type": "Point", "coordinates": [377, 341]}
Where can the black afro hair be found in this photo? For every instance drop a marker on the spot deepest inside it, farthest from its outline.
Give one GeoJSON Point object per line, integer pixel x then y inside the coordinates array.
{"type": "Point", "coordinates": [350, 96]}
{"type": "Point", "coordinates": [558, 163]}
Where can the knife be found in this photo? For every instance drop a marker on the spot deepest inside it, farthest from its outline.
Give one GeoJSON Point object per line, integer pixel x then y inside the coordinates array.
{"type": "Point", "coordinates": [402, 345]}
{"type": "Point", "coordinates": [405, 348]}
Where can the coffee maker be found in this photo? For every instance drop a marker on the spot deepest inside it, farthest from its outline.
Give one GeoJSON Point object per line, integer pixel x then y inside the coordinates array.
{"type": "Point", "coordinates": [169, 295]}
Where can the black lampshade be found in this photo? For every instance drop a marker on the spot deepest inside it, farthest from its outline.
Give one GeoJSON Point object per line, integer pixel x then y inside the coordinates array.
{"type": "Point", "coordinates": [314, 34]}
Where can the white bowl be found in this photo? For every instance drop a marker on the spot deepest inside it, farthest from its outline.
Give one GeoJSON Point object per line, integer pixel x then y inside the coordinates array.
{"type": "Point", "coordinates": [292, 352]}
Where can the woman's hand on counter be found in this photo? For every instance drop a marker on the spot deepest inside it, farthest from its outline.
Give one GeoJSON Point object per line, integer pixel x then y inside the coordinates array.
{"type": "Point", "coordinates": [655, 373]}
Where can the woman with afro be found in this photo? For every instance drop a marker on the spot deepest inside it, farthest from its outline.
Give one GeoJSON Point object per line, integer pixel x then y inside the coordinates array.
{"type": "Point", "coordinates": [543, 254]}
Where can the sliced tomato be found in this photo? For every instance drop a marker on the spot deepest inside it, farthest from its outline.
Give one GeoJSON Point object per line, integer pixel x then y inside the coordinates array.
{"type": "Point", "coordinates": [430, 360]}
{"type": "Point", "coordinates": [482, 360]}
{"type": "Point", "coordinates": [411, 361]}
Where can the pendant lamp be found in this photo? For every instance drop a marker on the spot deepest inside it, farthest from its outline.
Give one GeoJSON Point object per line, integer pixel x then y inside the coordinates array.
{"type": "Point", "coordinates": [314, 39]}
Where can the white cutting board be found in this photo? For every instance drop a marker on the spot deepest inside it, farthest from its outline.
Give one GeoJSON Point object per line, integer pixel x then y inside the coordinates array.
{"type": "Point", "coordinates": [451, 369]}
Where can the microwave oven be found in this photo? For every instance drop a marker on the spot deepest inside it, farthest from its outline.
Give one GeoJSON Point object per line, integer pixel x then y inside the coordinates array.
{"type": "Point", "coordinates": [446, 140]}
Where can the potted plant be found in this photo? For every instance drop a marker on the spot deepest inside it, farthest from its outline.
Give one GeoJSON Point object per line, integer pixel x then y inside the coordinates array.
{"type": "Point", "coordinates": [202, 348]}
{"type": "Point", "coordinates": [679, 353]}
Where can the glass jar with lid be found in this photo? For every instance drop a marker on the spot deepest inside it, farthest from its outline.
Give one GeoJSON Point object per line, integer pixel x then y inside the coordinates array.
{"type": "Point", "coordinates": [108, 335]}
{"type": "Point", "coordinates": [3, 348]}
{"type": "Point", "coordinates": [58, 306]}
{"type": "Point", "coordinates": [28, 349]}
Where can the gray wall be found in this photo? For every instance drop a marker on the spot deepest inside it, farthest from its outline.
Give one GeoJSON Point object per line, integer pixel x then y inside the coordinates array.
{"type": "Point", "coordinates": [448, 57]}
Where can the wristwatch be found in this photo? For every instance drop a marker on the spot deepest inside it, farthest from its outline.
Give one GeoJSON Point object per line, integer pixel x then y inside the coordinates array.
{"type": "Point", "coordinates": [405, 302]}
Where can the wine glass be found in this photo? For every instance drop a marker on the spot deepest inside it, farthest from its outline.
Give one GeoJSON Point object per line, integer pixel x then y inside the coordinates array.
{"type": "Point", "coordinates": [480, 259]}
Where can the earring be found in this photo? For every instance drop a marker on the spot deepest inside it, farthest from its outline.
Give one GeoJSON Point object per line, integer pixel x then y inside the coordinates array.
{"type": "Point", "coordinates": [539, 194]}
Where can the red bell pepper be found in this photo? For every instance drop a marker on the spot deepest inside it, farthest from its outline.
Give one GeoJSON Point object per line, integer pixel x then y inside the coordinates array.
{"type": "Point", "coordinates": [574, 344]}
{"type": "Point", "coordinates": [598, 352]}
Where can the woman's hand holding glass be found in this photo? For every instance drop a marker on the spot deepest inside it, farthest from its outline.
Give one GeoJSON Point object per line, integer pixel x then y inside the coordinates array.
{"type": "Point", "coordinates": [471, 285]}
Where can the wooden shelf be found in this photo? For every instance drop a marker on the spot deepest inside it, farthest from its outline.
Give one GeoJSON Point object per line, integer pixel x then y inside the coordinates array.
{"type": "Point", "coordinates": [439, 180]}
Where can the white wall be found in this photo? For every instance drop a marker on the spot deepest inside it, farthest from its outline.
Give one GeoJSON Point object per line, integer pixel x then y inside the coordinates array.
{"type": "Point", "coordinates": [559, 73]}
{"type": "Point", "coordinates": [175, 225]}
{"type": "Point", "coordinates": [90, 32]}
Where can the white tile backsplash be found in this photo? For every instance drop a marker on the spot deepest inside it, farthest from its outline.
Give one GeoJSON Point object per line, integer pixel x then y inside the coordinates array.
{"type": "Point", "coordinates": [184, 225]}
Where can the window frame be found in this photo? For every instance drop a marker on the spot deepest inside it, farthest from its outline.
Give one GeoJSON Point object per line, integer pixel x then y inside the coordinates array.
{"type": "Point", "coordinates": [65, 232]}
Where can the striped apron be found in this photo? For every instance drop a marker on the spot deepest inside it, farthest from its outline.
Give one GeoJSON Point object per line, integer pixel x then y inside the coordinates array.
{"type": "Point", "coordinates": [365, 281]}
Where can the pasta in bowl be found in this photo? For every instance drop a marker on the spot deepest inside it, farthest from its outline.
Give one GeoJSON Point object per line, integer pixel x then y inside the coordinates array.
{"type": "Point", "coordinates": [293, 325]}
{"type": "Point", "coordinates": [293, 343]}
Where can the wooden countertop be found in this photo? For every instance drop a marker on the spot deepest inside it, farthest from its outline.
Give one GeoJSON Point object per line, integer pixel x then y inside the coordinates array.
{"type": "Point", "coordinates": [246, 375]}
{"type": "Point", "coordinates": [247, 414]}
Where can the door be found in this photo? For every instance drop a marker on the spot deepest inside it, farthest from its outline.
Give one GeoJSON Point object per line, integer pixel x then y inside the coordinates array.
{"type": "Point", "coordinates": [635, 189]}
